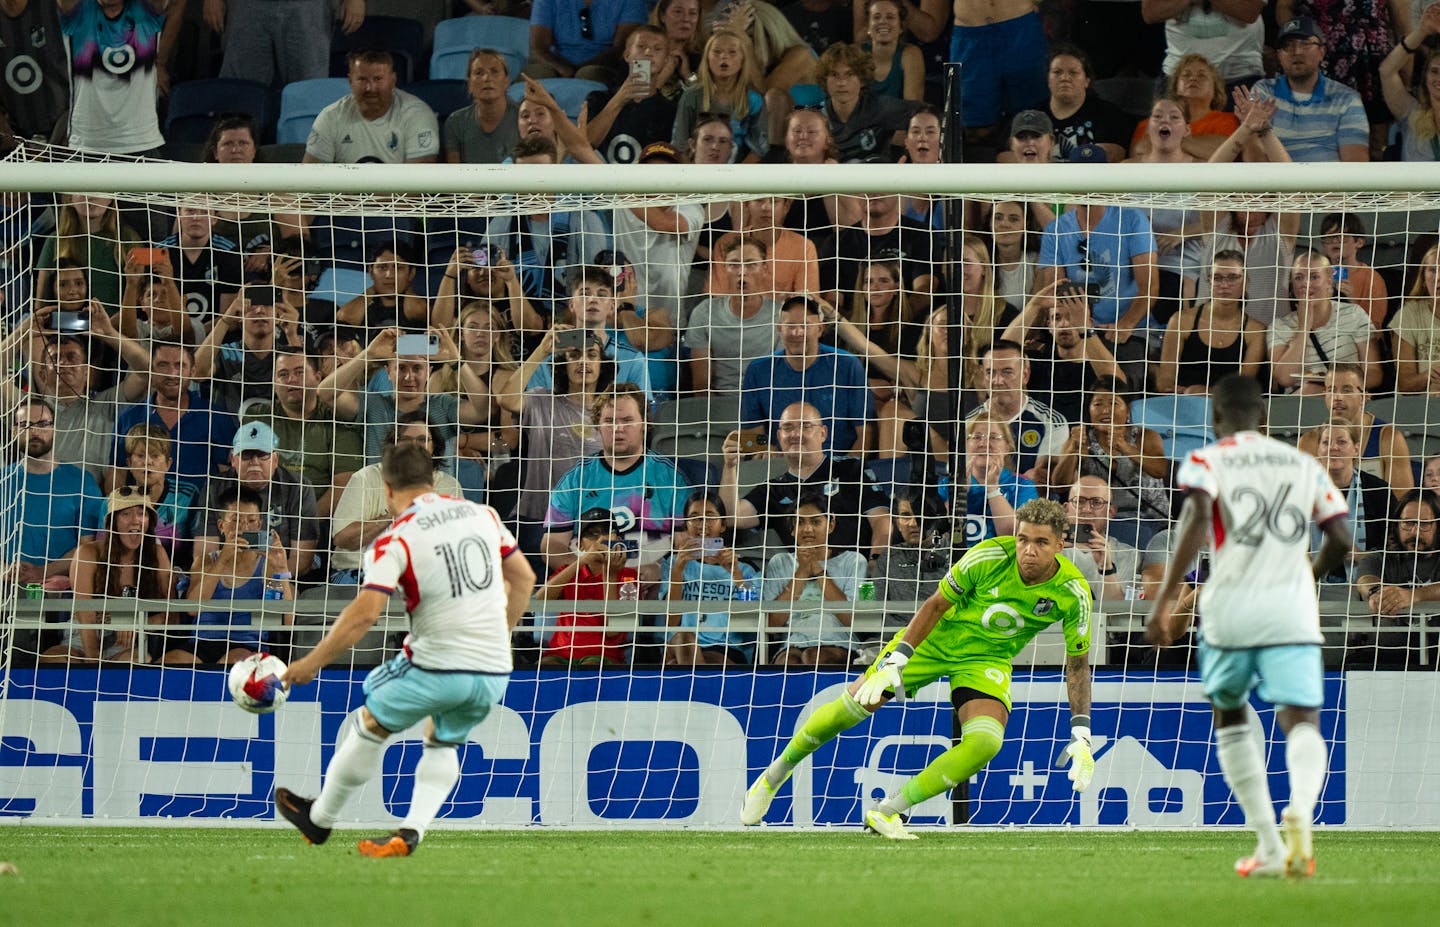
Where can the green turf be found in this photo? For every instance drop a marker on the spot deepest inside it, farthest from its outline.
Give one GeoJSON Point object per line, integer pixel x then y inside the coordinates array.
{"type": "Point", "coordinates": [151, 876]}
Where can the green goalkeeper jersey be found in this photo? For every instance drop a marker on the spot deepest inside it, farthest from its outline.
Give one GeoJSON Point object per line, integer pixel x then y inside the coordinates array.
{"type": "Point", "coordinates": [993, 614]}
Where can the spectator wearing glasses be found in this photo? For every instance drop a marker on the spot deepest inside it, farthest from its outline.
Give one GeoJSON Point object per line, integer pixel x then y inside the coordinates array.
{"type": "Point", "coordinates": [858, 508]}
{"type": "Point", "coordinates": [581, 38]}
{"type": "Point", "coordinates": [1342, 235]}
{"type": "Point", "coordinates": [1319, 118]}
{"type": "Point", "coordinates": [374, 123]}
{"type": "Point", "coordinates": [486, 131]}
{"type": "Point", "coordinates": [1213, 338]}
{"type": "Point", "coordinates": [1406, 572]}
{"type": "Point", "coordinates": [794, 264]}
{"type": "Point", "coordinates": [287, 500]}
{"type": "Point", "coordinates": [54, 506]}
{"type": "Point", "coordinates": [1111, 566]}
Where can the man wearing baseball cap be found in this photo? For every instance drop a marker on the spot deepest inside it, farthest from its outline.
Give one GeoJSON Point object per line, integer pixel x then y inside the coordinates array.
{"type": "Point", "coordinates": [288, 501]}
{"type": "Point", "coordinates": [1318, 118]}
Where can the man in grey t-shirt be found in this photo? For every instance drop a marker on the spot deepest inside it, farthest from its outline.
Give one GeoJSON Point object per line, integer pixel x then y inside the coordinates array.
{"type": "Point", "coordinates": [727, 332]}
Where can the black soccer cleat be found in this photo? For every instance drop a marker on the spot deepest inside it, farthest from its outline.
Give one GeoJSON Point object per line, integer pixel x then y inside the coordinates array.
{"type": "Point", "coordinates": [401, 842]}
{"type": "Point", "coordinates": [296, 810]}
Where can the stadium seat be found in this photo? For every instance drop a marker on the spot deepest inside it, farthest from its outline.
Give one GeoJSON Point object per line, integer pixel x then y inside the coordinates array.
{"type": "Point", "coordinates": [721, 411]}
{"type": "Point", "coordinates": [281, 154]}
{"type": "Point", "coordinates": [195, 105]}
{"type": "Point", "coordinates": [401, 36]}
{"type": "Point", "coordinates": [339, 285]}
{"type": "Point", "coordinates": [442, 96]}
{"type": "Point", "coordinates": [301, 102]}
{"type": "Point", "coordinates": [1183, 422]}
{"type": "Point", "coordinates": [1292, 415]}
{"type": "Point", "coordinates": [456, 38]}
{"type": "Point", "coordinates": [569, 92]}
{"type": "Point", "coordinates": [428, 13]}
{"type": "Point", "coordinates": [1412, 413]}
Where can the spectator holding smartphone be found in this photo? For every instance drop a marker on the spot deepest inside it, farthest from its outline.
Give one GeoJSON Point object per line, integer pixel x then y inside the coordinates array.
{"type": "Point", "coordinates": [88, 231]}
{"type": "Point", "coordinates": [485, 273]}
{"type": "Point", "coordinates": [597, 573]}
{"type": "Point", "coordinates": [642, 110]}
{"type": "Point", "coordinates": [704, 567]}
{"type": "Point", "coordinates": [592, 307]}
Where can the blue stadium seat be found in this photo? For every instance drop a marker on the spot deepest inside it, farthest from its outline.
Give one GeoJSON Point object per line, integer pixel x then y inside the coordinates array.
{"type": "Point", "coordinates": [301, 101]}
{"type": "Point", "coordinates": [569, 92]}
{"type": "Point", "coordinates": [195, 105]}
{"type": "Point", "coordinates": [807, 94]}
{"type": "Point", "coordinates": [339, 285]}
{"type": "Point", "coordinates": [442, 96]}
{"type": "Point", "coordinates": [402, 37]}
{"type": "Point", "coordinates": [456, 38]}
{"type": "Point", "coordinates": [1183, 422]}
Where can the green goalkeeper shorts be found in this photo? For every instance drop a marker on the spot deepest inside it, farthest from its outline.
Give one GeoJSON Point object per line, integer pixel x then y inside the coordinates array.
{"type": "Point", "coordinates": [990, 675]}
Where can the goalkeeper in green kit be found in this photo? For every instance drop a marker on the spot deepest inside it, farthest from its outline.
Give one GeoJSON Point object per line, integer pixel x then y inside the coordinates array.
{"type": "Point", "coordinates": [1001, 594]}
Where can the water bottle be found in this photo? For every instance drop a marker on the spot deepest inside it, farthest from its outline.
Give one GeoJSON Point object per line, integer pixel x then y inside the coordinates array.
{"type": "Point", "coordinates": [748, 593]}
{"type": "Point", "coordinates": [275, 587]}
{"type": "Point", "coordinates": [629, 586]}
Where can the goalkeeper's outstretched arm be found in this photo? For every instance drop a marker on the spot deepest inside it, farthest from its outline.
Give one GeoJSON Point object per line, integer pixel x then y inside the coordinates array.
{"type": "Point", "coordinates": [925, 620]}
{"type": "Point", "coordinates": [1078, 753]}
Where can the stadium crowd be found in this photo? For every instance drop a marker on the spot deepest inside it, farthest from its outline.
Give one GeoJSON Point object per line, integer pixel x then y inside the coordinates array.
{"type": "Point", "coordinates": [773, 399]}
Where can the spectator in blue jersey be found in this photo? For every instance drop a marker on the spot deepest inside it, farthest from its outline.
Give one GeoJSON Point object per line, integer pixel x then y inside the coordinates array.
{"type": "Point", "coordinates": [1317, 118]}
{"type": "Point", "coordinates": [581, 38]}
{"type": "Point", "coordinates": [208, 268]}
{"type": "Point", "coordinates": [117, 66]}
{"type": "Point", "coordinates": [804, 370]}
{"type": "Point", "coordinates": [995, 491]}
{"type": "Point", "coordinates": [50, 507]}
{"type": "Point", "coordinates": [201, 434]}
{"type": "Point", "coordinates": [1040, 432]}
{"type": "Point", "coordinates": [705, 567]}
{"type": "Point", "coordinates": [1110, 251]}
{"type": "Point", "coordinates": [244, 370]}
{"type": "Point", "coordinates": [644, 492]}
{"type": "Point", "coordinates": [592, 307]}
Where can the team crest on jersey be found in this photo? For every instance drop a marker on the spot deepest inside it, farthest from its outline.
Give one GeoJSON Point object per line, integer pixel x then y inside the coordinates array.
{"type": "Point", "coordinates": [1029, 437]}
{"type": "Point", "coordinates": [830, 488]}
{"type": "Point", "coordinates": [624, 519]}
{"type": "Point", "coordinates": [38, 37]}
{"type": "Point", "coordinates": [1043, 607]}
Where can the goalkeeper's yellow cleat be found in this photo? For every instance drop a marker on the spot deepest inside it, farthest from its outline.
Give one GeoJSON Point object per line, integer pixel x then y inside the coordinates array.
{"type": "Point", "coordinates": [889, 826]}
{"type": "Point", "coordinates": [1299, 851]}
{"type": "Point", "coordinates": [758, 799]}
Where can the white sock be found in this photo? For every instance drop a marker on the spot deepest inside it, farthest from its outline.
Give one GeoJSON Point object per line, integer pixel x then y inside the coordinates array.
{"type": "Point", "coordinates": [435, 777]}
{"type": "Point", "coordinates": [1244, 769]}
{"type": "Point", "coordinates": [1305, 760]}
{"type": "Point", "coordinates": [354, 762]}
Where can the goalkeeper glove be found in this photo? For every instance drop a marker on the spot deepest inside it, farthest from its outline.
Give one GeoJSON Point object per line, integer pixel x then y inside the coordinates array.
{"type": "Point", "coordinates": [885, 675]}
{"type": "Point", "coordinates": [1078, 754]}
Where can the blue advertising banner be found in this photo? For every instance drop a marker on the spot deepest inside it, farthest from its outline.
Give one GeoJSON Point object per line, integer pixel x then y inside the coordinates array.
{"type": "Point", "coordinates": [636, 749]}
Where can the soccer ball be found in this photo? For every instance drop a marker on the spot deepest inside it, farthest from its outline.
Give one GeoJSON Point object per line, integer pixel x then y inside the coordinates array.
{"type": "Point", "coordinates": [255, 683]}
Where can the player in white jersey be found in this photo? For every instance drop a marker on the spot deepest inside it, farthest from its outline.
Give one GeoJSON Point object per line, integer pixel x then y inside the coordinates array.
{"type": "Point", "coordinates": [1254, 498]}
{"type": "Point", "coordinates": [466, 586]}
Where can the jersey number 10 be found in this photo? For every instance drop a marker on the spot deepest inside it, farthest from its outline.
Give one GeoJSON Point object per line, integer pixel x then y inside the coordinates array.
{"type": "Point", "coordinates": [467, 563]}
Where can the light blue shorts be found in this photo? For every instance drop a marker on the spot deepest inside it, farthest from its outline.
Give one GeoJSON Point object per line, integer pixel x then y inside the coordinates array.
{"type": "Point", "coordinates": [400, 694]}
{"type": "Point", "coordinates": [1291, 674]}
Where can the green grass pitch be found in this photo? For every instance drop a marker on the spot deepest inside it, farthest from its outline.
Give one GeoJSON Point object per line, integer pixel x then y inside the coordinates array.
{"type": "Point", "coordinates": [187, 876]}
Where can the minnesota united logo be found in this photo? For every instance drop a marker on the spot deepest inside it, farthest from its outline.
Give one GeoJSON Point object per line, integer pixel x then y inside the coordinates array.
{"type": "Point", "coordinates": [1043, 606]}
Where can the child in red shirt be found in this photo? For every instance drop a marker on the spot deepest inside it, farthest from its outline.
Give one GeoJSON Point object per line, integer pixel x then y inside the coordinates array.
{"type": "Point", "coordinates": [598, 573]}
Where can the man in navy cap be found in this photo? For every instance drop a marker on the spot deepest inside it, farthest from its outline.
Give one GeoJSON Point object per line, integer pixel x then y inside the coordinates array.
{"type": "Point", "coordinates": [1318, 118]}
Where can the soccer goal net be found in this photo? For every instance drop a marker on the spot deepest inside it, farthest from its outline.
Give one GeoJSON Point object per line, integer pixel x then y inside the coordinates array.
{"type": "Point", "coordinates": [742, 420]}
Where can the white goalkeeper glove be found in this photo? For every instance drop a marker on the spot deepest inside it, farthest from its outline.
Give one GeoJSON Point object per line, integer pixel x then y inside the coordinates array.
{"type": "Point", "coordinates": [1080, 757]}
{"type": "Point", "coordinates": [885, 675]}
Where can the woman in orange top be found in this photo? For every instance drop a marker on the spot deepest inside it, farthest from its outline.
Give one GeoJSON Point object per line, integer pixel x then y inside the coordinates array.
{"type": "Point", "coordinates": [1198, 83]}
